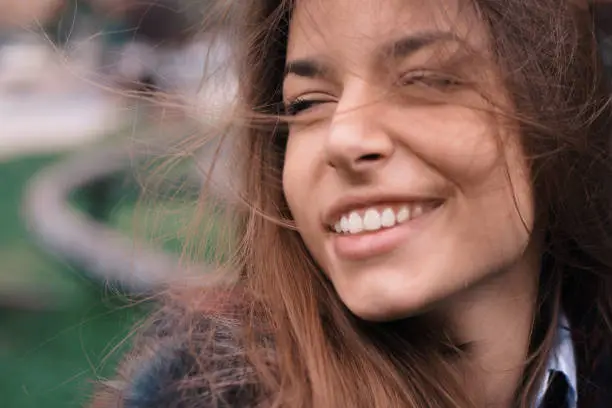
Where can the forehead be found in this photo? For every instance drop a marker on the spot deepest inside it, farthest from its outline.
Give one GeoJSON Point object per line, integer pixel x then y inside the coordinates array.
{"type": "Point", "coordinates": [353, 27]}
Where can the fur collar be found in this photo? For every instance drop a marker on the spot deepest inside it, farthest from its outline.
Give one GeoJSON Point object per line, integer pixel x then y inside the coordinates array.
{"type": "Point", "coordinates": [164, 372]}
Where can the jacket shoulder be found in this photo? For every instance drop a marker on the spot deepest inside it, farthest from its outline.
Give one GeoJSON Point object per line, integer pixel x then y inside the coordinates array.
{"type": "Point", "coordinates": [181, 362]}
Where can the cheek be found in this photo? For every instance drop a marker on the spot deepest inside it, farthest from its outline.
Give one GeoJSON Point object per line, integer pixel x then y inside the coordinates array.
{"type": "Point", "coordinates": [302, 176]}
{"type": "Point", "coordinates": [481, 157]}
{"type": "Point", "coordinates": [299, 175]}
{"type": "Point", "coordinates": [517, 177]}
{"type": "Point", "coordinates": [463, 146]}
{"type": "Point", "coordinates": [468, 148]}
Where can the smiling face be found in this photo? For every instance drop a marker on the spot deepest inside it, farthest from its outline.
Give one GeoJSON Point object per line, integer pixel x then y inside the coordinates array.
{"type": "Point", "coordinates": [403, 203]}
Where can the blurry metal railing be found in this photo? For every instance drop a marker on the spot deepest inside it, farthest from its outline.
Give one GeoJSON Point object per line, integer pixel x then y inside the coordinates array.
{"type": "Point", "coordinates": [85, 240]}
{"type": "Point", "coordinates": [104, 253]}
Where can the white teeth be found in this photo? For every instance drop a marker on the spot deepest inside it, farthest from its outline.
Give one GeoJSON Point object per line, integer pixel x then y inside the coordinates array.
{"type": "Point", "coordinates": [338, 227]}
{"type": "Point", "coordinates": [403, 214]}
{"type": "Point", "coordinates": [388, 218]}
{"type": "Point", "coordinates": [344, 224]}
{"type": "Point", "coordinates": [374, 219]}
{"type": "Point", "coordinates": [355, 223]}
{"type": "Point", "coordinates": [371, 220]}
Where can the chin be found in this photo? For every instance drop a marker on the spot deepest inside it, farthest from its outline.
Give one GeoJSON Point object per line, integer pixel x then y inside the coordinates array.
{"type": "Point", "coordinates": [382, 294]}
{"type": "Point", "coordinates": [376, 311]}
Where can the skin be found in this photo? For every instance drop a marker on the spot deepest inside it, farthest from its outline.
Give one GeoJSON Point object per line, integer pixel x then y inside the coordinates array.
{"type": "Point", "coordinates": [473, 261]}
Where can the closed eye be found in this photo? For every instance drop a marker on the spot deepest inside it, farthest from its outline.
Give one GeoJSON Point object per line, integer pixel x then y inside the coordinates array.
{"type": "Point", "coordinates": [430, 79]}
{"type": "Point", "coordinates": [299, 105]}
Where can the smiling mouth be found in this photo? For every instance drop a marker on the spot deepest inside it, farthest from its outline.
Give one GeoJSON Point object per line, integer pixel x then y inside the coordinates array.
{"type": "Point", "coordinates": [379, 217]}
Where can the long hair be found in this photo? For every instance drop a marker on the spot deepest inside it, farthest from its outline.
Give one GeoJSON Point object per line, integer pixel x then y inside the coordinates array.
{"type": "Point", "coordinates": [304, 348]}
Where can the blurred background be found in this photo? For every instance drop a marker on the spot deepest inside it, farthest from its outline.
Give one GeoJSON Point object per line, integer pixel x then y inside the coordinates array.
{"type": "Point", "coordinates": [81, 115]}
{"type": "Point", "coordinates": [94, 95]}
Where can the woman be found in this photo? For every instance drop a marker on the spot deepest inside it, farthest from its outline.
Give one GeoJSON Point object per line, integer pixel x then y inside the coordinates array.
{"type": "Point", "coordinates": [446, 168]}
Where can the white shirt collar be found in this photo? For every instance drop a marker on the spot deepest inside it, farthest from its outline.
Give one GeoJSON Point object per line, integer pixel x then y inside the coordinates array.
{"type": "Point", "coordinates": [563, 359]}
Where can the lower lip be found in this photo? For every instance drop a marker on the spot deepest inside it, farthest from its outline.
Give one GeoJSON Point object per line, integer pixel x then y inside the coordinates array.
{"type": "Point", "coordinates": [371, 244]}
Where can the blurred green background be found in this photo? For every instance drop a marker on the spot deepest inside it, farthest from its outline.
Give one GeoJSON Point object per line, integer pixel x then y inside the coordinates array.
{"type": "Point", "coordinates": [50, 358]}
{"type": "Point", "coordinates": [76, 75]}
{"type": "Point", "coordinates": [69, 71]}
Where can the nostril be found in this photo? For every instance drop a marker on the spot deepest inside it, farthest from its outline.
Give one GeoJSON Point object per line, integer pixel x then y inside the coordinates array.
{"type": "Point", "coordinates": [370, 157]}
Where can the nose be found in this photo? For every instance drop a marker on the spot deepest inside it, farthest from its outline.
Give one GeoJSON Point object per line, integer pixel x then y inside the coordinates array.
{"type": "Point", "coordinates": [358, 143]}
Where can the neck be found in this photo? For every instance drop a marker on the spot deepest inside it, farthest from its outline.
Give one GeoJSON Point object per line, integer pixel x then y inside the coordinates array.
{"type": "Point", "coordinates": [495, 319]}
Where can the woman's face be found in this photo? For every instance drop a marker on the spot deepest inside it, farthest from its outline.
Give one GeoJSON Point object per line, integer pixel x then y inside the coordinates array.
{"type": "Point", "coordinates": [403, 204]}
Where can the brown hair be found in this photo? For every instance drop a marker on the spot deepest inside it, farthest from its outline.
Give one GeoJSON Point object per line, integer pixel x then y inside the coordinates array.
{"type": "Point", "coordinates": [305, 349]}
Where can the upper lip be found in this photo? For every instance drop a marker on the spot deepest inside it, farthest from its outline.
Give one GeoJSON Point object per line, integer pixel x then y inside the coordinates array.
{"type": "Point", "coordinates": [354, 202]}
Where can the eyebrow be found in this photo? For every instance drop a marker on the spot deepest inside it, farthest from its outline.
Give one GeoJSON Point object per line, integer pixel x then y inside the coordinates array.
{"type": "Point", "coordinates": [306, 67]}
{"type": "Point", "coordinates": [408, 45]}
{"type": "Point", "coordinates": [398, 48]}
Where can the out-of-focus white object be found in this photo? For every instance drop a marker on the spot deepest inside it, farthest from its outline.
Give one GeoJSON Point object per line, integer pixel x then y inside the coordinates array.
{"type": "Point", "coordinates": [19, 13]}
{"type": "Point", "coordinates": [137, 60]}
{"type": "Point", "coordinates": [203, 73]}
{"type": "Point", "coordinates": [46, 103]}
{"type": "Point", "coordinates": [21, 64]}
{"type": "Point", "coordinates": [52, 122]}
{"type": "Point", "coordinates": [199, 73]}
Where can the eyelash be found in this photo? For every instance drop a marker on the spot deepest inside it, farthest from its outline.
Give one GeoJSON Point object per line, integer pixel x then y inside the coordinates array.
{"type": "Point", "coordinates": [300, 104]}
{"type": "Point", "coordinates": [430, 79]}
{"type": "Point", "coordinates": [434, 80]}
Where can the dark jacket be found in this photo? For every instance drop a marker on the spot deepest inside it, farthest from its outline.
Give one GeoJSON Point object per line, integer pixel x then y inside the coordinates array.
{"type": "Point", "coordinates": [165, 374]}
{"type": "Point", "coordinates": [163, 371]}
